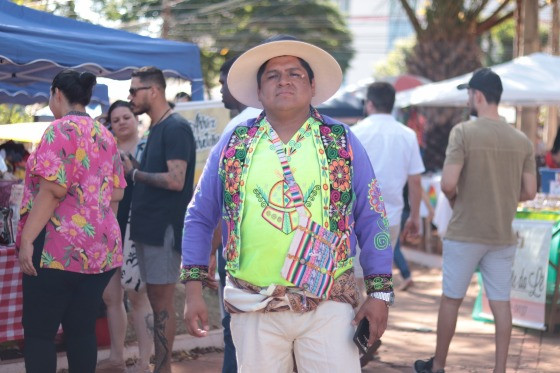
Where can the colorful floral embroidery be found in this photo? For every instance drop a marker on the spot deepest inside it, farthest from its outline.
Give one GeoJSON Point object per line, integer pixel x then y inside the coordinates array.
{"type": "Point", "coordinates": [235, 159]}
{"type": "Point", "coordinates": [382, 240]}
{"type": "Point", "coordinates": [378, 283]}
{"type": "Point", "coordinates": [338, 158]}
{"type": "Point", "coordinates": [375, 198]}
{"type": "Point", "coordinates": [340, 175]}
{"type": "Point", "coordinates": [233, 175]}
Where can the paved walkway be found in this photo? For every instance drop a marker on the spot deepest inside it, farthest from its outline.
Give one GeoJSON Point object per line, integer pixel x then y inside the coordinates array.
{"type": "Point", "coordinates": [409, 336]}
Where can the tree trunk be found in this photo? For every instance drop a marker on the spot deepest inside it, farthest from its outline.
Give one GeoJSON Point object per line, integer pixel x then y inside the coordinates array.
{"type": "Point", "coordinates": [437, 58]}
{"type": "Point", "coordinates": [527, 118]}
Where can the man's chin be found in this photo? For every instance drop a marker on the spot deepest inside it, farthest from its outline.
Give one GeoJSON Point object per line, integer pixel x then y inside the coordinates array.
{"type": "Point", "coordinates": [137, 111]}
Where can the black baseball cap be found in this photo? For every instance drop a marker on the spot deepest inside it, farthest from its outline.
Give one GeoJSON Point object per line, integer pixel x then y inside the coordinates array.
{"type": "Point", "coordinates": [485, 80]}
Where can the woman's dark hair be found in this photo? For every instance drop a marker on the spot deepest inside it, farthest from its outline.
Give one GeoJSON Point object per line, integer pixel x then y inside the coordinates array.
{"type": "Point", "coordinates": [76, 86]}
{"type": "Point", "coordinates": [117, 104]}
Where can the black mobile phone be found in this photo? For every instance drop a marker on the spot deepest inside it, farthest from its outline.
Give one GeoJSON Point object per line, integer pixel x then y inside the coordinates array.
{"type": "Point", "coordinates": [362, 335]}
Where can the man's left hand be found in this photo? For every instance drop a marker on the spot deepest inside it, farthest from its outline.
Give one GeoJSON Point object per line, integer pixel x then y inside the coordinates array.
{"type": "Point", "coordinates": [377, 313]}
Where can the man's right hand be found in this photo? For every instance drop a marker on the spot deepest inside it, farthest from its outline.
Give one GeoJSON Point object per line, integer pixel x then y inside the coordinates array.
{"type": "Point", "coordinates": [196, 312]}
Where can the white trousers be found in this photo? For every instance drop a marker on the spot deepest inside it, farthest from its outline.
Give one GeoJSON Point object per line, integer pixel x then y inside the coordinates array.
{"type": "Point", "coordinates": [320, 340]}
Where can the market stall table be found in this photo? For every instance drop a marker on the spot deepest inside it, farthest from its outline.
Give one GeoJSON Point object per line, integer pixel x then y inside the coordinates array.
{"type": "Point", "coordinates": [11, 296]}
{"type": "Point", "coordinates": [535, 281]}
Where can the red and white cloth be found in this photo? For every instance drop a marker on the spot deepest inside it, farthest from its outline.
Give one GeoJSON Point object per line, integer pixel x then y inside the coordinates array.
{"type": "Point", "coordinates": [11, 295]}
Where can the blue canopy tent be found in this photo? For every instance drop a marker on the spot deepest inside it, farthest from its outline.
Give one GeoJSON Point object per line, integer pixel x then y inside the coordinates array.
{"type": "Point", "coordinates": [35, 46]}
{"type": "Point", "coordinates": [39, 92]}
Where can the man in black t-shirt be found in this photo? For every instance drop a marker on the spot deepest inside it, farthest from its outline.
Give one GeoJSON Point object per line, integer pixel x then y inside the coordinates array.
{"type": "Point", "coordinates": [163, 188]}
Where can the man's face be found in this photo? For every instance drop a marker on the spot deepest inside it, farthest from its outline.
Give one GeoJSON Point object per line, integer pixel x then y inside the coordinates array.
{"type": "Point", "coordinates": [285, 85]}
{"type": "Point", "coordinates": [471, 103]}
{"type": "Point", "coordinates": [227, 98]}
{"type": "Point", "coordinates": [139, 96]}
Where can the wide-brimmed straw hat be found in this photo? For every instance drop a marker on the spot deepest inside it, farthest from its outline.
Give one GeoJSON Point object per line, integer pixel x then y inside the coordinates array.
{"type": "Point", "coordinates": [242, 77]}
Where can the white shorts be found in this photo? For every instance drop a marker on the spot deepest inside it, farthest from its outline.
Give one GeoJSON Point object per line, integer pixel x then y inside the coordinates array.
{"type": "Point", "coordinates": [460, 260]}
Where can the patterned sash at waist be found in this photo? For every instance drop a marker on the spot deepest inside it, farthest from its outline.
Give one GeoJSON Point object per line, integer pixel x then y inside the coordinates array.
{"type": "Point", "coordinates": [241, 296]}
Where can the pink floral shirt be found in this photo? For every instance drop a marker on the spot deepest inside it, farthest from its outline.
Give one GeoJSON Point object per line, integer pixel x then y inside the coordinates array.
{"type": "Point", "coordinates": [80, 155]}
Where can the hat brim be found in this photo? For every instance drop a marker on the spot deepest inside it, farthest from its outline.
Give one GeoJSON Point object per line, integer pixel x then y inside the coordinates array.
{"type": "Point", "coordinates": [463, 86]}
{"type": "Point", "coordinates": [242, 77]}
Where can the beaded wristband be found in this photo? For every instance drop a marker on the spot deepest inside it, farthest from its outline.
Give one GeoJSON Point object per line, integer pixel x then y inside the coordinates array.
{"type": "Point", "coordinates": [193, 273]}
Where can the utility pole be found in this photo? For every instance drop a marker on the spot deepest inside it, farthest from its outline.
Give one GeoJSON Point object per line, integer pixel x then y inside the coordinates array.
{"type": "Point", "coordinates": [529, 43]}
{"type": "Point", "coordinates": [554, 50]}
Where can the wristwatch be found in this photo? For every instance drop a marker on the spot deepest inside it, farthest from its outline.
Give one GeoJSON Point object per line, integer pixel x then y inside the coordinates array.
{"type": "Point", "coordinates": [387, 297]}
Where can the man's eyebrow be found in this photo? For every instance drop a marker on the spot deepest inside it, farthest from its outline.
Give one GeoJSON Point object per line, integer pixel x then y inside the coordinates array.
{"type": "Point", "coordinates": [295, 68]}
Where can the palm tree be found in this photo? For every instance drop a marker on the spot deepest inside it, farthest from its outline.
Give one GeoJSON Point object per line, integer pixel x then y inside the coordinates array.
{"type": "Point", "coordinates": [446, 46]}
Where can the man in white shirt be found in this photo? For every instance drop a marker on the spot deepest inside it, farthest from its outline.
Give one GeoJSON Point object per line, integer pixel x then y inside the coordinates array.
{"type": "Point", "coordinates": [395, 156]}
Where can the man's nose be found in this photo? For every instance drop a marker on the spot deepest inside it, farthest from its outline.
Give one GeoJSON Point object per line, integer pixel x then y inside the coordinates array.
{"type": "Point", "coordinates": [284, 79]}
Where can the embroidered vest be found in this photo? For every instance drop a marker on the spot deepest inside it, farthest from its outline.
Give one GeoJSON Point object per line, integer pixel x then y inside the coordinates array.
{"type": "Point", "coordinates": [335, 158]}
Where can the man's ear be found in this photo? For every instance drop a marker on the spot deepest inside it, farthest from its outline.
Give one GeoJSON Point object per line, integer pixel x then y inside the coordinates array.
{"type": "Point", "coordinates": [369, 107]}
{"type": "Point", "coordinates": [479, 97]}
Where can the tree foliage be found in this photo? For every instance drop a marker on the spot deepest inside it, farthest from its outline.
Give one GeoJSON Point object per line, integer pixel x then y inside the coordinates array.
{"type": "Point", "coordinates": [61, 8]}
{"type": "Point", "coordinates": [227, 28]}
{"type": "Point", "coordinates": [14, 114]}
{"type": "Point", "coordinates": [498, 45]}
{"type": "Point", "coordinates": [395, 64]}
{"type": "Point", "coordinates": [447, 46]}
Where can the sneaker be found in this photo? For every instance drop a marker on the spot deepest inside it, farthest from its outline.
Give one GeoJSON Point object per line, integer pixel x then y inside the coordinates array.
{"type": "Point", "coordinates": [425, 366]}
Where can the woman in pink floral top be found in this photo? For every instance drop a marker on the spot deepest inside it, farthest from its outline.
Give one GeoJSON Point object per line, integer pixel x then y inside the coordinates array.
{"type": "Point", "coordinates": [68, 238]}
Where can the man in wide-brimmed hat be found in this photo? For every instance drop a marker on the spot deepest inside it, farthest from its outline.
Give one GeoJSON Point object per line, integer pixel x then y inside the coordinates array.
{"type": "Point", "coordinates": [295, 192]}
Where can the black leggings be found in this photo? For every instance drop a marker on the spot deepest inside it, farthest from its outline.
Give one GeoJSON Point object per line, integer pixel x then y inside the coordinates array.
{"type": "Point", "coordinates": [57, 297]}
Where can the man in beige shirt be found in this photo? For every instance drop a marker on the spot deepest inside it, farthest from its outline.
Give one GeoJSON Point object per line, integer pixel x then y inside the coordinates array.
{"type": "Point", "coordinates": [489, 167]}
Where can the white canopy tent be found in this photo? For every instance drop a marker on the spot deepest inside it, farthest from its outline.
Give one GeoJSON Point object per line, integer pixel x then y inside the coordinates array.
{"type": "Point", "coordinates": [532, 80]}
{"type": "Point", "coordinates": [23, 132]}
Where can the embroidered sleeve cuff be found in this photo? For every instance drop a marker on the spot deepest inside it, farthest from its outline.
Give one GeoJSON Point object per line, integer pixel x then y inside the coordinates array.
{"type": "Point", "coordinates": [193, 273]}
{"type": "Point", "coordinates": [382, 283]}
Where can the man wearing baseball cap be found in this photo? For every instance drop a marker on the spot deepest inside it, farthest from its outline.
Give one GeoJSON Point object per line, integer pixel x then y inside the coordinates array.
{"type": "Point", "coordinates": [294, 192]}
{"type": "Point", "coordinates": [489, 168]}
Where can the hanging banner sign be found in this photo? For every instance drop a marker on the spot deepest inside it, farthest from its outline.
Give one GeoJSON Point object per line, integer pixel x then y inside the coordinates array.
{"type": "Point", "coordinates": [208, 119]}
{"type": "Point", "coordinates": [528, 288]}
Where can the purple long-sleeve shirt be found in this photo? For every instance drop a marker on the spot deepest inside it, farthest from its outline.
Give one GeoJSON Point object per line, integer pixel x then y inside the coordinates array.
{"type": "Point", "coordinates": [367, 216]}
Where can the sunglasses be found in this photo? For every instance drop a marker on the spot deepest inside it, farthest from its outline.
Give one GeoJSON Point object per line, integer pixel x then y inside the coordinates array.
{"type": "Point", "coordinates": [133, 91]}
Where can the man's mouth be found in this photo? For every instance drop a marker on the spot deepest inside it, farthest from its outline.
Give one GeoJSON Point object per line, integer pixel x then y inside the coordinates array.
{"type": "Point", "coordinates": [284, 93]}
